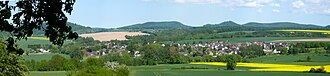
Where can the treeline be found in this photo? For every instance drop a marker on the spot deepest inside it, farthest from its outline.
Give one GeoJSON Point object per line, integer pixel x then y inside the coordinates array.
{"type": "Point", "coordinates": [310, 47]}
{"type": "Point", "coordinates": [156, 54]}
{"type": "Point", "coordinates": [56, 63]}
{"type": "Point", "coordinates": [76, 67]}
{"type": "Point", "coordinates": [213, 33]}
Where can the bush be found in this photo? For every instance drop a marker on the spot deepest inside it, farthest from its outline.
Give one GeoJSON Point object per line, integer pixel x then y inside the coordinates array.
{"type": "Point", "coordinates": [10, 65]}
{"type": "Point", "coordinates": [231, 65]}
{"type": "Point", "coordinates": [232, 61]}
{"type": "Point", "coordinates": [110, 69]}
{"type": "Point", "coordinates": [318, 70]}
{"type": "Point", "coordinates": [94, 62]}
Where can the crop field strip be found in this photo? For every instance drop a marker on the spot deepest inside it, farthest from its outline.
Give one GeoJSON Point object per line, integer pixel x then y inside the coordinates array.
{"type": "Point", "coordinates": [267, 66]}
{"type": "Point", "coordinates": [317, 31]}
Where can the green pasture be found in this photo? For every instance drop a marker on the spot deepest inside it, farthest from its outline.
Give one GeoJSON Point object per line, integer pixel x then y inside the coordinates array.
{"type": "Point", "coordinates": [39, 57]}
{"type": "Point", "coordinates": [316, 59]}
{"type": "Point", "coordinates": [232, 32]}
{"type": "Point", "coordinates": [47, 73]}
{"type": "Point", "coordinates": [235, 40]}
{"type": "Point", "coordinates": [169, 70]}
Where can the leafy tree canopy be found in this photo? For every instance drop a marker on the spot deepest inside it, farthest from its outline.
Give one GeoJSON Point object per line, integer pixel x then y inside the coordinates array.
{"type": "Point", "coordinates": [24, 16]}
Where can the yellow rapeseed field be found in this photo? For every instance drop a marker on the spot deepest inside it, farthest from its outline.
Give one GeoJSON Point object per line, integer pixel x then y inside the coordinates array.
{"type": "Point", "coordinates": [39, 38]}
{"type": "Point", "coordinates": [268, 67]}
{"type": "Point", "coordinates": [320, 31]}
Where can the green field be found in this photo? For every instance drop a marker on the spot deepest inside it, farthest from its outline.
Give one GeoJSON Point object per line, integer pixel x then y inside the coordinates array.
{"type": "Point", "coordinates": [24, 43]}
{"type": "Point", "coordinates": [212, 70]}
{"type": "Point", "coordinates": [316, 59]}
{"type": "Point", "coordinates": [47, 73]}
{"type": "Point", "coordinates": [35, 40]}
{"type": "Point", "coordinates": [39, 57]}
{"type": "Point", "coordinates": [167, 70]}
{"type": "Point", "coordinates": [232, 32]}
{"type": "Point", "coordinates": [220, 73]}
{"type": "Point", "coordinates": [235, 40]}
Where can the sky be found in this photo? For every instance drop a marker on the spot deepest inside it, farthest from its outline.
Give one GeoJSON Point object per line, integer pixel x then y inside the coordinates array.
{"type": "Point", "coordinates": [119, 13]}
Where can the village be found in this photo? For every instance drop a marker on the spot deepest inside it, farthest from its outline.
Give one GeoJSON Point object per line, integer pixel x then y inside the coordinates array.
{"type": "Point", "coordinates": [213, 48]}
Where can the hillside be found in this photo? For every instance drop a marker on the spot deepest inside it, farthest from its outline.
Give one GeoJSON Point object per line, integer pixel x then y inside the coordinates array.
{"type": "Point", "coordinates": [75, 27]}
{"type": "Point", "coordinates": [80, 29]}
{"type": "Point", "coordinates": [177, 25]}
{"type": "Point", "coordinates": [282, 25]}
{"type": "Point", "coordinates": [226, 23]}
{"type": "Point", "coordinates": [327, 26]}
{"type": "Point", "coordinates": [157, 25]}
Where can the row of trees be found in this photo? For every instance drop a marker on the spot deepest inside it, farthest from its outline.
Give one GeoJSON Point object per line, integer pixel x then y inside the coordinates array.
{"type": "Point", "coordinates": [308, 47]}
{"type": "Point", "coordinates": [76, 67]}
{"type": "Point", "coordinates": [156, 54]}
{"type": "Point", "coordinates": [56, 63]}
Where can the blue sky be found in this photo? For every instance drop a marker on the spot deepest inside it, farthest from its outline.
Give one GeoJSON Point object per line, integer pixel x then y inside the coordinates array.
{"type": "Point", "coordinates": [118, 13]}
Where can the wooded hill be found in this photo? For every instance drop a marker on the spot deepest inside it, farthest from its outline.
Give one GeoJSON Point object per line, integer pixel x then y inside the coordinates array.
{"type": "Point", "coordinates": [157, 25]}
{"type": "Point", "coordinates": [177, 25]}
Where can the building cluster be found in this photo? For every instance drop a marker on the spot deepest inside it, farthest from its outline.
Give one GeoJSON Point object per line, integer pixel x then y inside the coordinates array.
{"type": "Point", "coordinates": [216, 48]}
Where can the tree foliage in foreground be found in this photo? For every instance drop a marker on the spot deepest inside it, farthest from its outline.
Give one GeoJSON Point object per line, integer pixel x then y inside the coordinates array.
{"type": "Point", "coordinates": [9, 63]}
{"type": "Point", "coordinates": [21, 19]}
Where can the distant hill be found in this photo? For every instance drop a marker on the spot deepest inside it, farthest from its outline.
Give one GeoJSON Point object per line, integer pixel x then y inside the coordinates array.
{"type": "Point", "coordinates": [327, 26]}
{"type": "Point", "coordinates": [277, 24]}
{"type": "Point", "coordinates": [177, 25]}
{"type": "Point", "coordinates": [80, 29]}
{"type": "Point", "coordinates": [226, 23]}
{"type": "Point", "coordinates": [282, 25]}
{"type": "Point", "coordinates": [157, 25]}
{"type": "Point", "coordinates": [75, 27]}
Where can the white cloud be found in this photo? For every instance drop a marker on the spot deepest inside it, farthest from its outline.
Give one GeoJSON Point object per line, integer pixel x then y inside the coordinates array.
{"type": "Point", "coordinates": [230, 3]}
{"type": "Point", "coordinates": [312, 6]}
{"type": "Point", "coordinates": [198, 1]}
{"type": "Point", "coordinates": [298, 4]}
{"type": "Point", "coordinates": [180, 1]}
{"type": "Point", "coordinates": [283, 0]}
{"type": "Point", "coordinates": [327, 11]}
{"type": "Point", "coordinates": [256, 3]}
{"type": "Point", "coordinates": [275, 5]}
{"type": "Point", "coordinates": [313, 1]}
{"type": "Point", "coordinates": [276, 10]}
{"type": "Point", "coordinates": [252, 4]}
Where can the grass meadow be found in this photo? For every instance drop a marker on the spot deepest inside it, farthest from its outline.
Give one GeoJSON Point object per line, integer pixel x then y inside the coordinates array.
{"type": "Point", "coordinates": [47, 73]}
{"type": "Point", "coordinates": [235, 40]}
{"type": "Point", "coordinates": [39, 57]}
{"type": "Point", "coordinates": [261, 66]}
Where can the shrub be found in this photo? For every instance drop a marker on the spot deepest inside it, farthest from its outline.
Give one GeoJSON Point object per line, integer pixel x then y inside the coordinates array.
{"type": "Point", "coordinates": [318, 70]}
